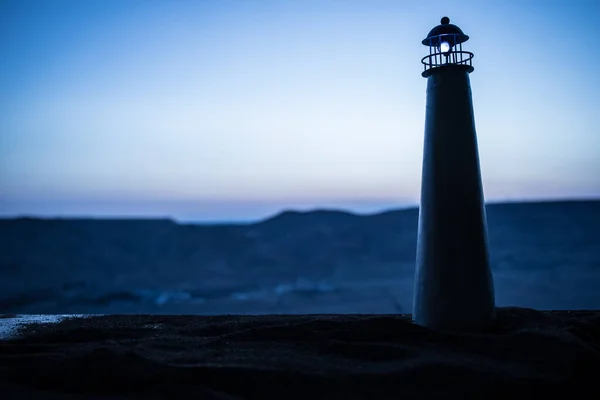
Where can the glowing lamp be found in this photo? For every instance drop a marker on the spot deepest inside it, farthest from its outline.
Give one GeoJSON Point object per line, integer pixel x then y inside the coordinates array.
{"type": "Point", "coordinates": [445, 47]}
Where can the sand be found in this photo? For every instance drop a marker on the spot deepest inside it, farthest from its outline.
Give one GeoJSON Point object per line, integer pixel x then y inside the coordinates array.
{"type": "Point", "coordinates": [526, 353]}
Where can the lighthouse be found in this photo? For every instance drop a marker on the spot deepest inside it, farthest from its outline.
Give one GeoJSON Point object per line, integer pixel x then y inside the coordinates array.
{"type": "Point", "coordinates": [453, 282]}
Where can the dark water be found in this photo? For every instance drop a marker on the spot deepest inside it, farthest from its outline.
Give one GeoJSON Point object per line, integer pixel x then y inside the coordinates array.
{"type": "Point", "coordinates": [544, 255]}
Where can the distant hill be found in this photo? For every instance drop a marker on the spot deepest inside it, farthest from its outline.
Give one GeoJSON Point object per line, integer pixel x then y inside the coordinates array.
{"type": "Point", "coordinates": [37, 254]}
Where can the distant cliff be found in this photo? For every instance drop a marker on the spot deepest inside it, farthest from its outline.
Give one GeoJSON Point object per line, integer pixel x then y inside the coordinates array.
{"type": "Point", "coordinates": [80, 254]}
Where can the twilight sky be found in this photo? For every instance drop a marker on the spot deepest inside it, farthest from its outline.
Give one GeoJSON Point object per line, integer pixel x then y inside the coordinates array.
{"type": "Point", "coordinates": [235, 109]}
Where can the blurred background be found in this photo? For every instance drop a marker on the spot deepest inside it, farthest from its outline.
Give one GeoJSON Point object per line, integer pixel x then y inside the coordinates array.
{"type": "Point", "coordinates": [265, 156]}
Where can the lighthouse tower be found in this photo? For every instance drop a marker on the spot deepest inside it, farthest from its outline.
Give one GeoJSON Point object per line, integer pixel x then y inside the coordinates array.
{"type": "Point", "coordinates": [453, 281]}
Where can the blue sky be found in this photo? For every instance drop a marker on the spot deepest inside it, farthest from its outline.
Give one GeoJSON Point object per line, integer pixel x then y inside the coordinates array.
{"type": "Point", "coordinates": [231, 109]}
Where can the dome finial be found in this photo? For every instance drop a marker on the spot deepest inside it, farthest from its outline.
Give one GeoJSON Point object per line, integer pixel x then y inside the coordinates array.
{"type": "Point", "coordinates": [445, 21]}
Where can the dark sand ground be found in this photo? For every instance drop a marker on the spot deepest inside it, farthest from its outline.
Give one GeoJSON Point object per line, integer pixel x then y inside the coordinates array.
{"type": "Point", "coordinates": [526, 354]}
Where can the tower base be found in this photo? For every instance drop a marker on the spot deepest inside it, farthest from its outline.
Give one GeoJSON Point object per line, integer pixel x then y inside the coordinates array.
{"type": "Point", "coordinates": [453, 281]}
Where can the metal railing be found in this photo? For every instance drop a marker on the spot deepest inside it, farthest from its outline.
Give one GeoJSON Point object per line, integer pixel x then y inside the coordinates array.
{"type": "Point", "coordinates": [455, 56]}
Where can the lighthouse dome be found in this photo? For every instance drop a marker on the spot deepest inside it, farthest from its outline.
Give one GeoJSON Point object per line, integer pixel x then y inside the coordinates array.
{"type": "Point", "coordinates": [449, 32]}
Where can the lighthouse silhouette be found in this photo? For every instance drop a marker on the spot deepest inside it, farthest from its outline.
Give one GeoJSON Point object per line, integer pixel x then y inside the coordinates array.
{"type": "Point", "coordinates": [453, 281]}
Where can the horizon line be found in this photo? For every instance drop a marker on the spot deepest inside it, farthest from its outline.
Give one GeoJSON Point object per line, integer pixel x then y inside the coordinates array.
{"type": "Point", "coordinates": [188, 221]}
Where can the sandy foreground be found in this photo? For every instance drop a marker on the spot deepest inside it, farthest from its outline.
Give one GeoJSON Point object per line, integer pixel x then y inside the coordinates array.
{"type": "Point", "coordinates": [526, 353]}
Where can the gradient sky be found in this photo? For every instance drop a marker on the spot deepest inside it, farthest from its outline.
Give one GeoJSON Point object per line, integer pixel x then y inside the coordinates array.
{"type": "Point", "coordinates": [229, 110]}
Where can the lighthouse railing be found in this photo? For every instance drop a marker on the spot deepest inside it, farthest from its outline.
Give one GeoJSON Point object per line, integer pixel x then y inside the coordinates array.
{"type": "Point", "coordinates": [455, 56]}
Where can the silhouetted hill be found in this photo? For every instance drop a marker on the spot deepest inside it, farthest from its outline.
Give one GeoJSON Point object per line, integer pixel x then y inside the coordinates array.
{"type": "Point", "coordinates": [50, 256]}
{"type": "Point", "coordinates": [302, 217]}
{"type": "Point", "coordinates": [292, 223]}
